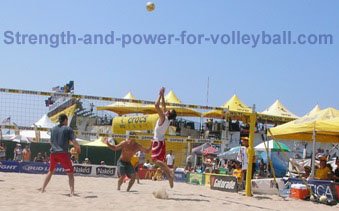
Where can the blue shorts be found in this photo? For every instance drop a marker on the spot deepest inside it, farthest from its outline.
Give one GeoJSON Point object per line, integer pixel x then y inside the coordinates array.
{"type": "Point", "coordinates": [125, 168]}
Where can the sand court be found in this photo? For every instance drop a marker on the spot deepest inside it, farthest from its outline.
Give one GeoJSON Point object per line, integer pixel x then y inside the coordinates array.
{"type": "Point", "coordinates": [20, 192]}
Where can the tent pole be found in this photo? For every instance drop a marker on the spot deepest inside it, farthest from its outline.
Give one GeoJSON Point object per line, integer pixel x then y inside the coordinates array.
{"type": "Point", "coordinates": [250, 152]}
{"type": "Point", "coordinates": [313, 153]}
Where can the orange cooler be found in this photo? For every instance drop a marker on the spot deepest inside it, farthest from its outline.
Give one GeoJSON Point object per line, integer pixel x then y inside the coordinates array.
{"type": "Point", "coordinates": [299, 191]}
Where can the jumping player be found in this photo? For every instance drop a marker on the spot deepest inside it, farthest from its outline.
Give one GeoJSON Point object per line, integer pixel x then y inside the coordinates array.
{"type": "Point", "coordinates": [158, 142]}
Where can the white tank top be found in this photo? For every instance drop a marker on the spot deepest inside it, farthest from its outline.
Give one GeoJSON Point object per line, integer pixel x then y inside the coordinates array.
{"type": "Point", "coordinates": [159, 131]}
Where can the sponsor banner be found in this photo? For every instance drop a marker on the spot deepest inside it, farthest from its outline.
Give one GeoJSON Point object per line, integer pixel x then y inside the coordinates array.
{"type": "Point", "coordinates": [195, 178]}
{"type": "Point", "coordinates": [146, 173]}
{"type": "Point", "coordinates": [38, 168]}
{"type": "Point", "coordinates": [9, 166]}
{"type": "Point", "coordinates": [179, 176]}
{"type": "Point", "coordinates": [42, 168]}
{"type": "Point", "coordinates": [109, 171]}
{"type": "Point", "coordinates": [224, 183]}
{"type": "Point", "coordinates": [319, 187]}
{"type": "Point", "coordinates": [82, 169]}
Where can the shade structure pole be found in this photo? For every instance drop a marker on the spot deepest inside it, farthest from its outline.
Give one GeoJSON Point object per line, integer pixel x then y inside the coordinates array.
{"type": "Point", "coordinates": [313, 153]}
{"type": "Point", "coordinates": [250, 149]}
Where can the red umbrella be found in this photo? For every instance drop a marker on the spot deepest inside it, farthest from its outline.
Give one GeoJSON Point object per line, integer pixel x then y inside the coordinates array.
{"type": "Point", "coordinates": [210, 151]}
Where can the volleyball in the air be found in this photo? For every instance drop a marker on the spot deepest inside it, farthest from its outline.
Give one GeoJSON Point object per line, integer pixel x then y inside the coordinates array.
{"type": "Point", "coordinates": [150, 6]}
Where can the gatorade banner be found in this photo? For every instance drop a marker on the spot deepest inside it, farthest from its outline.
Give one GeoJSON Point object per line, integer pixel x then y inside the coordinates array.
{"type": "Point", "coordinates": [224, 183]}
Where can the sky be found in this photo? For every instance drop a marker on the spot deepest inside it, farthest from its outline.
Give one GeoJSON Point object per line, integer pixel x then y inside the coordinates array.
{"type": "Point", "coordinates": [301, 76]}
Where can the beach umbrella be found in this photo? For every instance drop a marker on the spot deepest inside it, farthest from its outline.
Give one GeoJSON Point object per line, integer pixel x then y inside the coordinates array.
{"type": "Point", "coordinates": [230, 154]}
{"type": "Point", "coordinates": [210, 151]}
{"type": "Point", "coordinates": [199, 149]}
{"type": "Point", "coordinates": [272, 145]}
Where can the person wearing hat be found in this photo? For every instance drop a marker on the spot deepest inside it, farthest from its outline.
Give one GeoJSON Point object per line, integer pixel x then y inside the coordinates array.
{"type": "Point", "coordinates": [243, 156]}
{"type": "Point", "coordinates": [61, 135]}
{"type": "Point", "coordinates": [18, 153]}
{"type": "Point", "coordinates": [323, 172]}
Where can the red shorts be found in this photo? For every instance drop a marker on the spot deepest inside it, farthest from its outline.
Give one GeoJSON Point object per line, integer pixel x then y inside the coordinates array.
{"type": "Point", "coordinates": [158, 150]}
{"type": "Point", "coordinates": [64, 159]}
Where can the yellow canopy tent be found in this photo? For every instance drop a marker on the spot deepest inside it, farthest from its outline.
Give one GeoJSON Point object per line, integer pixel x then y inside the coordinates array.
{"type": "Point", "coordinates": [97, 143]}
{"type": "Point", "coordinates": [321, 126]}
{"type": "Point", "coordinates": [303, 128]}
{"type": "Point", "coordinates": [314, 110]}
{"type": "Point", "coordinates": [330, 127]}
{"type": "Point", "coordinates": [122, 108]}
{"type": "Point", "coordinates": [233, 105]}
{"type": "Point", "coordinates": [277, 111]}
{"type": "Point", "coordinates": [172, 98]}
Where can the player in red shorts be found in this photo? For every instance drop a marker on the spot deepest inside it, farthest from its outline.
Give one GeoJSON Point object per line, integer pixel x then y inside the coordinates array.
{"type": "Point", "coordinates": [61, 135]}
{"type": "Point", "coordinates": [158, 142]}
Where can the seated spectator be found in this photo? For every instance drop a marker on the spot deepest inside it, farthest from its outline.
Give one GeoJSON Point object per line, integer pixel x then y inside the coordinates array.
{"type": "Point", "coordinates": [102, 162]}
{"type": "Point", "coordinates": [39, 158]}
{"type": "Point", "coordinates": [323, 172]}
{"type": "Point", "coordinates": [307, 173]}
{"type": "Point", "coordinates": [86, 161]}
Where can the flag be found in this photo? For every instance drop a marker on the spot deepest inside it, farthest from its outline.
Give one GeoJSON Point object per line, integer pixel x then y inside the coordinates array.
{"type": "Point", "coordinates": [7, 120]}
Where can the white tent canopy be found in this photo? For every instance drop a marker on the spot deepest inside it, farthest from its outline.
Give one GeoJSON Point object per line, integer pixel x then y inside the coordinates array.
{"type": "Point", "coordinates": [44, 122]}
{"type": "Point", "coordinates": [279, 110]}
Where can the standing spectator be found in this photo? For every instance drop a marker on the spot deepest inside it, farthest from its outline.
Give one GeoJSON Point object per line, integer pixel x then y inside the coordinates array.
{"type": "Point", "coordinates": [170, 159]}
{"type": "Point", "coordinates": [141, 156]}
{"type": "Point", "coordinates": [46, 157]}
{"type": "Point", "coordinates": [26, 153]}
{"type": "Point", "coordinates": [242, 156]}
{"type": "Point", "coordinates": [2, 152]}
{"type": "Point", "coordinates": [74, 153]}
{"type": "Point", "coordinates": [61, 135]}
{"type": "Point", "coordinates": [17, 153]}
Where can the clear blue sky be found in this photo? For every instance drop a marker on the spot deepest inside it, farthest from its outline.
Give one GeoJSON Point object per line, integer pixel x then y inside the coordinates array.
{"type": "Point", "coordinates": [300, 76]}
